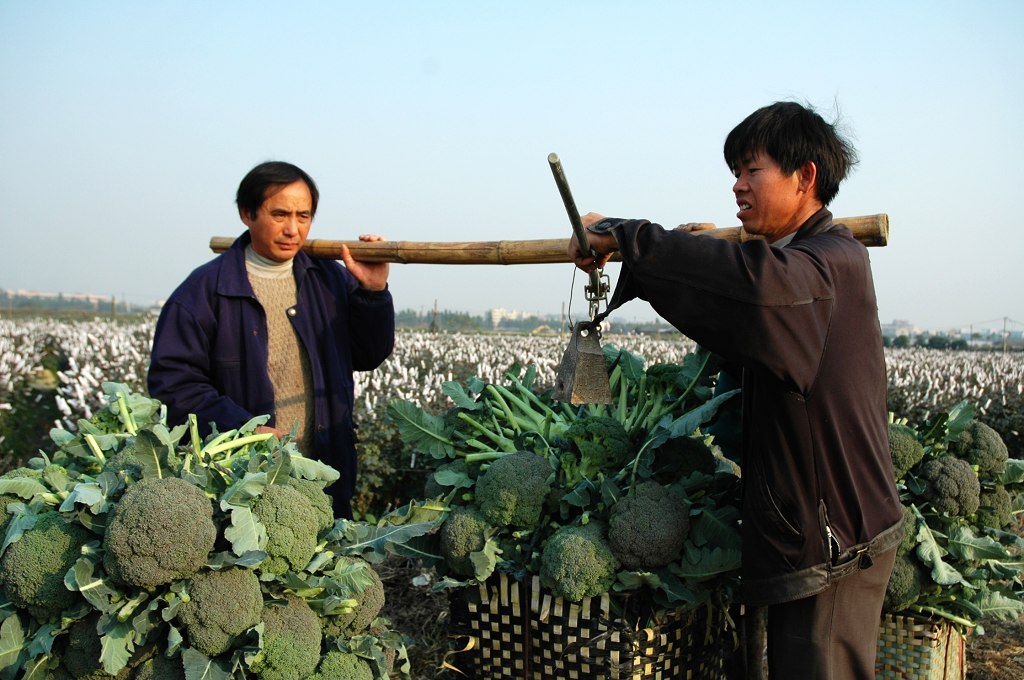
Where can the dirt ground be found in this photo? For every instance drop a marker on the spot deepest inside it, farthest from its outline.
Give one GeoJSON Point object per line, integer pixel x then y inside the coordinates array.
{"type": "Point", "coordinates": [998, 654]}
{"type": "Point", "coordinates": [421, 615]}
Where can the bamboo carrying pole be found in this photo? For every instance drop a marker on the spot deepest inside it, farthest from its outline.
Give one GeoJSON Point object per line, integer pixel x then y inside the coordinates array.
{"type": "Point", "coordinates": [871, 230]}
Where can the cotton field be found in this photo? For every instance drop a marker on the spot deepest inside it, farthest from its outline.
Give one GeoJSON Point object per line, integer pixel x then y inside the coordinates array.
{"type": "Point", "coordinates": [85, 354]}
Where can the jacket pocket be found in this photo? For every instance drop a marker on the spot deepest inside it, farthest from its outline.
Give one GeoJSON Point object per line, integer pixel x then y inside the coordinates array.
{"type": "Point", "coordinates": [772, 508]}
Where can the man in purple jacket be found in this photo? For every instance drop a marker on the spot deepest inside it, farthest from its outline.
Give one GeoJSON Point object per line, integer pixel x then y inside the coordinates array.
{"type": "Point", "coordinates": [263, 329]}
{"type": "Point", "coordinates": [796, 311]}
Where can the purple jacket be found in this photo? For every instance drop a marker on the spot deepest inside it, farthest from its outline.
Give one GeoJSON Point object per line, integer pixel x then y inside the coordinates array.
{"type": "Point", "coordinates": [210, 351]}
{"type": "Point", "coordinates": [818, 485]}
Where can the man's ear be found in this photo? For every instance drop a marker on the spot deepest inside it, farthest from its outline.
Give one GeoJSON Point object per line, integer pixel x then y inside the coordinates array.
{"type": "Point", "coordinates": [246, 218]}
{"type": "Point", "coordinates": [809, 177]}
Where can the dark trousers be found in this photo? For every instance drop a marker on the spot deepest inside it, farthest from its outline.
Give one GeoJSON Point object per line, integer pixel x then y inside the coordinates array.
{"type": "Point", "coordinates": [832, 635]}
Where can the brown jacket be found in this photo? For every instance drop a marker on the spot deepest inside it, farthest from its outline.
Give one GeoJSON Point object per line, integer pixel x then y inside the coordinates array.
{"type": "Point", "coordinates": [802, 321]}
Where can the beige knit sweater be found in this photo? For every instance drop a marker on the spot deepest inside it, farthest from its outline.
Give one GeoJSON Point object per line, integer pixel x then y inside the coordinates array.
{"type": "Point", "coordinates": [287, 363]}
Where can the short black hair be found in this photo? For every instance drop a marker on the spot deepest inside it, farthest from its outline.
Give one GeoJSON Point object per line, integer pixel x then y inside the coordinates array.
{"type": "Point", "coordinates": [254, 187]}
{"type": "Point", "coordinates": [793, 134]}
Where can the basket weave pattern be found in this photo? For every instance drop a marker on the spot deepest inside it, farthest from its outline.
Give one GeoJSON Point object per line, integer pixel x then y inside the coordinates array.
{"type": "Point", "coordinates": [918, 649]}
{"type": "Point", "coordinates": [519, 630]}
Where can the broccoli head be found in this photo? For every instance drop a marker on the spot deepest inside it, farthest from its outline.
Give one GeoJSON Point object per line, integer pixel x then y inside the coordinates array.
{"type": "Point", "coordinates": [982, 447]}
{"type": "Point", "coordinates": [338, 665]}
{"type": "Point", "coordinates": [369, 602]}
{"type": "Point", "coordinates": [907, 582]}
{"type": "Point", "coordinates": [512, 491]}
{"type": "Point", "coordinates": [291, 641]}
{"type": "Point", "coordinates": [322, 503]}
{"type": "Point", "coordinates": [81, 657]}
{"type": "Point", "coordinates": [159, 667]}
{"type": "Point", "coordinates": [161, 530]}
{"type": "Point", "coordinates": [124, 463]}
{"type": "Point", "coordinates": [464, 532]}
{"type": "Point", "coordinates": [603, 445]}
{"type": "Point", "coordinates": [291, 523]}
{"type": "Point", "coordinates": [577, 563]}
{"type": "Point", "coordinates": [647, 528]}
{"type": "Point", "coordinates": [952, 485]}
{"type": "Point", "coordinates": [905, 448]}
{"type": "Point", "coordinates": [33, 567]}
{"type": "Point", "coordinates": [222, 605]}
{"type": "Point", "coordinates": [995, 509]}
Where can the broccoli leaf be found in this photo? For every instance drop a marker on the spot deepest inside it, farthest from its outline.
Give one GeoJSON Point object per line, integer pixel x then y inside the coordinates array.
{"type": "Point", "coordinates": [687, 424]}
{"type": "Point", "coordinates": [421, 429]}
{"type": "Point", "coordinates": [485, 560]}
{"type": "Point", "coordinates": [23, 520]}
{"type": "Point", "coordinates": [308, 468]}
{"type": "Point", "coordinates": [99, 594]}
{"type": "Point", "coordinates": [1014, 472]}
{"type": "Point", "coordinates": [998, 606]}
{"type": "Point", "coordinates": [968, 547]}
{"type": "Point", "coordinates": [37, 668]}
{"type": "Point", "coordinates": [373, 543]}
{"type": "Point", "coordinates": [116, 647]}
{"type": "Point", "coordinates": [931, 553]}
{"type": "Point", "coordinates": [43, 639]}
{"type": "Point", "coordinates": [716, 527]}
{"type": "Point", "coordinates": [23, 487]}
{"type": "Point", "coordinates": [460, 397]}
{"type": "Point", "coordinates": [246, 532]}
{"type": "Point", "coordinates": [701, 564]}
{"type": "Point", "coordinates": [152, 455]}
{"type": "Point", "coordinates": [12, 642]}
{"type": "Point", "coordinates": [198, 666]}
{"type": "Point", "coordinates": [88, 494]}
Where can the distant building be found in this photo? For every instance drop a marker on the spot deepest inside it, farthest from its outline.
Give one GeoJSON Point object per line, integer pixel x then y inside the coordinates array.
{"type": "Point", "coordinates": [899, 327]}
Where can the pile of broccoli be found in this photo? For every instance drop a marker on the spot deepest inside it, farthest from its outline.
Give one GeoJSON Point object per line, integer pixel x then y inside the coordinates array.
{"type": "Point", "coordinates": [135, 551]}
{"type": "Point", "coordinates": [591, 500]}
{"type": "Point", "coordinates": [960, 493]}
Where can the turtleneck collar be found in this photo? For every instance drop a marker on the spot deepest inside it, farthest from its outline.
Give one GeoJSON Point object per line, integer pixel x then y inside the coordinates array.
{"type": "Point", "coordinates": [264, 267]}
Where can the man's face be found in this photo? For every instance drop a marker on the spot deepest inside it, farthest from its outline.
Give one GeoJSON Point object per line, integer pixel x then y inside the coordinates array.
{"type": "Point", "coordinates": [282, 223]}
{"type": "Point", "coordinates": [773, 203]}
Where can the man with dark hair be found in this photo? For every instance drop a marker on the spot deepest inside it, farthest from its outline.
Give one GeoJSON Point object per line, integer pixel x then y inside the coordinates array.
{"type": "Point", "coordinates": [796, 310]}
{"type": "Point", "coordinates": [263, 329]}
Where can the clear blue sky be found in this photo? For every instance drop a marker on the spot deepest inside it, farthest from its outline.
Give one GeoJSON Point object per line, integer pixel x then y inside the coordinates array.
{"type": "Point", "coordinates": [126, 126]}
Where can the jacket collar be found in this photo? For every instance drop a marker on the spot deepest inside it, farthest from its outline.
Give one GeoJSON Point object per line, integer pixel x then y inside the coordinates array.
{"type": "Point", "coordinates": [234, 279]}
{"type": "Point", "coordinates": [816, 224]}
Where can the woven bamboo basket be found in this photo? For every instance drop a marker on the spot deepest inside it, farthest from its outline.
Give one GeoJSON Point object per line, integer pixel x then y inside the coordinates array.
{"type": "Point", "coordinates": [912, 648]}
{"type": "Point", "coordinates": [511, 629]}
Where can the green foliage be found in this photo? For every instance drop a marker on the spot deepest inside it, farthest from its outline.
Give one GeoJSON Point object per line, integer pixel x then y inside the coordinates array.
{"type": "Point", "coordinates": [573, 467]}
{"type": "Point", "coordinates": [956, 562]}
{"type": "Point", "coordinates": [133, 550]}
